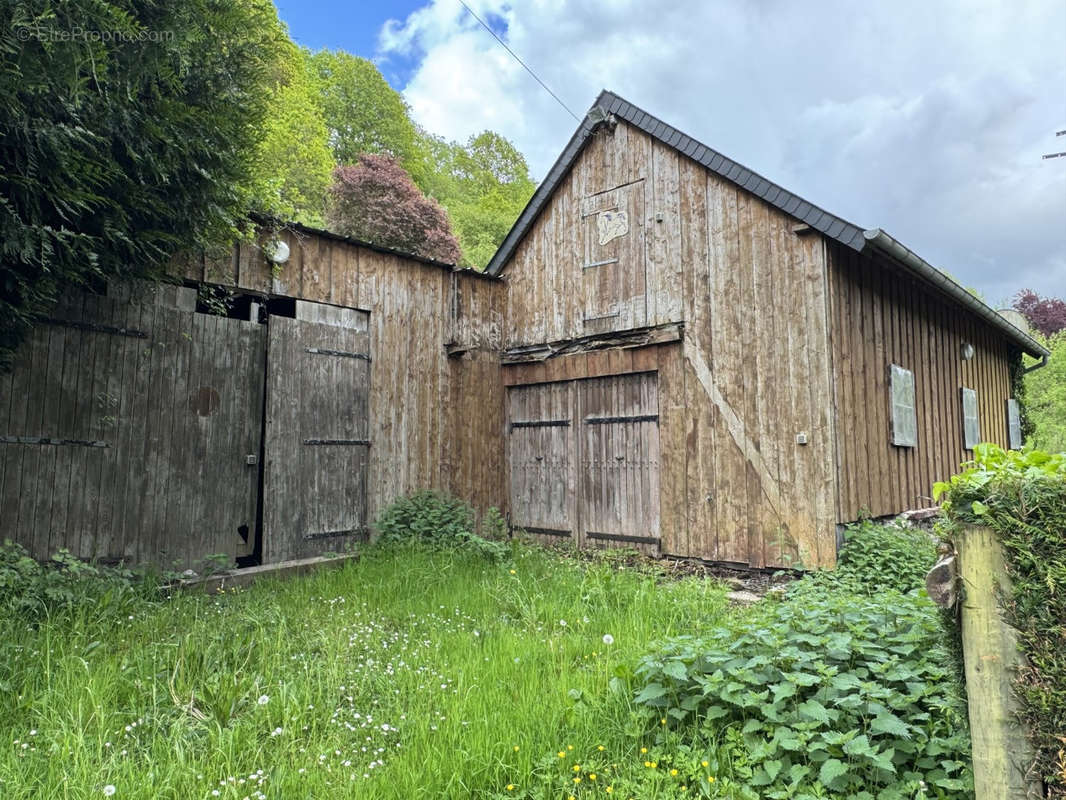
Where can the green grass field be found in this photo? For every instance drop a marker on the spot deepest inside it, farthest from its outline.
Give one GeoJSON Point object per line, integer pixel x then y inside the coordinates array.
{"type": "Point", "coordinates": [406, 674]}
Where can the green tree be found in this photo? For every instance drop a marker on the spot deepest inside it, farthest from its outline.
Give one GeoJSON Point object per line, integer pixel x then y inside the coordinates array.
{"type": "Point", "coordinates": [1045, 396]}
{"type": "Point", "coordinates": [484, 186]}
{"type": "Point", "coordinates": [376, 201]}
{"type": "Point", "coordinates": [294, 161]}
{"type": "Point", "coordinates": [363, 113]}
{"type": "Point", "coordinates": [128, 131]}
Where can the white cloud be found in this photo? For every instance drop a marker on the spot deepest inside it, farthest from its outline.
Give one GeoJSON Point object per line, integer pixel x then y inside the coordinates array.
{"type": "Point", "coordinates": [925, 119]}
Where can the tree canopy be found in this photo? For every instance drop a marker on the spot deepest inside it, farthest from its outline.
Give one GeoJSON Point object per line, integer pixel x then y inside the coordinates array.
{"type": "Point", "coordinates": [1045, 314]}
{"type": "Point", "coordinates": [118, 150]}
{"type": "Point", "coordinates": [376, 201]}
{"type": "Point", "coordinates": [294, 162]}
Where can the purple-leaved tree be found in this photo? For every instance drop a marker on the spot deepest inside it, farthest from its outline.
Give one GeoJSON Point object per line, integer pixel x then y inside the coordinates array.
{"type": "Point", "coordinates": [376, 201]}
{"type": "Point", "coordinates": [1045, 314]}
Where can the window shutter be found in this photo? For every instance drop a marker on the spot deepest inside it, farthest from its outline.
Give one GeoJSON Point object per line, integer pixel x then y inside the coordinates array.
{"type": "Point", "coordinates": [904, 416]}
{"type": "Point", "coordinates": [971, 427]}
{"type": "Point", "coordinates": [1014, 424]}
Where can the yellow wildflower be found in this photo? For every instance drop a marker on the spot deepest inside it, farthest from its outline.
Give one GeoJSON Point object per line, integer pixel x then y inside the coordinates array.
{"type": "Point", "coordinates": [516, 748]}
{"type": "Point", "coordinates": [561, 754]}
{"type": "Point", "coordinates": [644, 750]}
{"type": "Point", "coordinates": [510, 787]}
{"type": "Point", "coordinates": [673, 772]}
{"type": "Point", "coordinates": [592, 776]}
{"type": "Point", "coordinates": [577, 768]}
{"type": "Point", "coordinates": [601, 748]}
{"type": "Point", "coordinates": [704, 763]}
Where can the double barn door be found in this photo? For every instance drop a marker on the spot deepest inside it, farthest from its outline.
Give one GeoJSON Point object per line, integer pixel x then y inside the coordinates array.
{"type": "Point", "coordinates": [584, 460]}
{"type": "Point", "coordinates": [132, 428]}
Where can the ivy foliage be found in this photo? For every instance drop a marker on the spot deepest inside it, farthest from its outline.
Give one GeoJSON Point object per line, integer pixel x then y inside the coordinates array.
{"type": "Point", "coordinates": [846, 688]}
{"type": "Point", "coordinates": [1021, 495]}
{"type": "Point", "coordinates": [128, 132]}
{"type": "Point", "coordinates": [1045, 397]}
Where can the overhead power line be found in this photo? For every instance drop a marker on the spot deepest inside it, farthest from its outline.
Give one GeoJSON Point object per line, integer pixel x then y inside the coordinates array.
{"type": "Point", "coordinates": [520, 61]}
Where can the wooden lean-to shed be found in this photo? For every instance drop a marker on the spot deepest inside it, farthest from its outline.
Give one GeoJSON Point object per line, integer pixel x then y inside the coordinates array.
{"type": "Point", "coordinates": [701, 363]}
{"type": "Point", "coordinates": [260, 412]}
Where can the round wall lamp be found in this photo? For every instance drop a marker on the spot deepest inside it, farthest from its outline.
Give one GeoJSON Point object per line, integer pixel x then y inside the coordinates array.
{"type": "Point", "coordinates": [967, 351]}
{"type": "Point", "coordinates": [277, 251]}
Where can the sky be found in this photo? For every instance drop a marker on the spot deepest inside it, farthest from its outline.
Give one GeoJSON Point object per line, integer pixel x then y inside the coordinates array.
{"type": "Point", "coordinates": [925, 119]}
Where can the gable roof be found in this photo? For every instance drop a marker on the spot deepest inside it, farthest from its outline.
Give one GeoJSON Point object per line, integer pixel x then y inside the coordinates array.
{"type": "Point", "coordinates": [830, 225]}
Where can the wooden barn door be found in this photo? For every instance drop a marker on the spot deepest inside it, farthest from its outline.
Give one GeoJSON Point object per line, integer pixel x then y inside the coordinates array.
{"type": "Point", "coordinates": [584, 460]}
{"type": "Point", "coordinates": [126, 427]}
{"type": "Point", "coordinates": [317, 433]}
{"type": "Point", "coordinates": [618, 483]}
{"type": "Point", "coordinates": [540, 445]}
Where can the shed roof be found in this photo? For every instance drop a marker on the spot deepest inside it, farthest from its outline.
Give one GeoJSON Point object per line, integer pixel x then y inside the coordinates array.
{"type": "Point", "coordinates": [830, 225]}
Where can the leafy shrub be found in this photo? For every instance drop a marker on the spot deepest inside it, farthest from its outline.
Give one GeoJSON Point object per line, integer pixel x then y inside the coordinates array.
{"type": "Point", "coordinates": [877, 558]}
{"type": "Point", "coordinates": [435, 518]}
{"type": "Point", "coordinates": [828, 690]}
{"type": "Point", "coordinates": [1022, 496]}
{"type": "Point", "coordinates": [30, 588]}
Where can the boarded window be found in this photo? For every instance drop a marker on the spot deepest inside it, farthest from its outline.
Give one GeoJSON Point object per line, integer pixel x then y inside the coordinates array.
{"type": "Point", "coordinates": [612, 268]}
{"type": "Point", "coordinates": [1014, 424]}
{"type": "Point", "coordinates": [904, 416]}
{"type": "Point", "coordinates": [971, 426]}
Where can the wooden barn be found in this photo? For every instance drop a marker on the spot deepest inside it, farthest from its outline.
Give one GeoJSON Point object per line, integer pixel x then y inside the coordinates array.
{"type": "Point", "coordinates": [701, 363]}
{"type": "Point", "coordinates": [668, 352]}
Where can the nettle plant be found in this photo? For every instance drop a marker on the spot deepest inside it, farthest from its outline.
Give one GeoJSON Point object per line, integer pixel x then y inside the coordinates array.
{"type": "Point", "coordinates": [829, 693]}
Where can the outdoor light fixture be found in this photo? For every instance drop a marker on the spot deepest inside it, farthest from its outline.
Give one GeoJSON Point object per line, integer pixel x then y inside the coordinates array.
{"type": "Point", "coordinates": [967, 351]}
{"type": "Point", "coordinates": [277, 251]}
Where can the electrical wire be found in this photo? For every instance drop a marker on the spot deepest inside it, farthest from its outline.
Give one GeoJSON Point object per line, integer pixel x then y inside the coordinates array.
{"type": "Point", "coordinates": [520, 61]}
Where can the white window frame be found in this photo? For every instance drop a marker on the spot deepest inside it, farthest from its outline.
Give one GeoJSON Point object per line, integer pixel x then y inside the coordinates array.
{"type": "Point", "coordinates": [971, 418]}
{"type": "Point", "coordinates": [901, 398]}
{"type": "Point", "coordinates": [1014, 424]}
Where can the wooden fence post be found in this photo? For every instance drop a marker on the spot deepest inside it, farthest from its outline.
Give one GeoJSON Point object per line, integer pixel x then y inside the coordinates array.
{"type": "Point", "coordinates": [1001, 751]}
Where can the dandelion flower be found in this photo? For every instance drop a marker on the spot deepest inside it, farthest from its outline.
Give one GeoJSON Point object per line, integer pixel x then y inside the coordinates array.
{"type": "Point", "coordinates": [608, 639]}
{"type": "Point", "coordinates": [516, 748]}
{"type": "Point", "coordinates": [601, 748]}
{"type": "Point", "coordinates": [592, 776]}
{"type": "Point", "coordinates": [263, 699]}
{"type": "Point", "coordinates": [710, 779]}
{"type": "Point", "coordinates": [510, 787]}
{"type": "Point", "coordinates": [673, 772]}
{"type": "Point", "coordinates": [561, 754]}
{"type": "Point", "coordinates": [513, 572]}
{"type": "Point", "coordinates": [609, 789]}
{"type": "Point", "coordinates": [643, 750]}
{"type": "Point", "coordinates": [109, 790]}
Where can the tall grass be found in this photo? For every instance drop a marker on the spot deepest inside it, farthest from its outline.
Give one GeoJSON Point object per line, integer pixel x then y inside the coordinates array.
{"type": "Point", "coordinates": [406, 674]}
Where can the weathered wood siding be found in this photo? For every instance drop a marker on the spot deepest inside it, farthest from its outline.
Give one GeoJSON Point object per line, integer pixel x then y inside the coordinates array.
{"type": "Point", "coordinates": [317, 451]}
{"type": "Point", "coordinates": [883, 316]}
{"type": "Point", "coordinates": [554, 293]}
{"type": "Point", "coordinates": [584, 454]}
{"type": "Point", "coordinates": [149, 412]}
{"type": "Point", "coordinates": [752, 372]}
{"type": "Point", "coordinates": [436, 420]}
